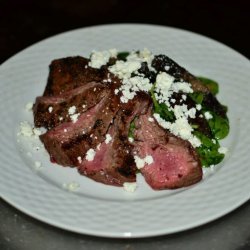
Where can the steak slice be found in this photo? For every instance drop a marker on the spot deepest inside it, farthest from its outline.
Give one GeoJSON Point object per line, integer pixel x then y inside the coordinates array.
{"type": "Point", "coordinates": [68, 141]}
{"type": "Point", "coordinates": [175, 162]}
{"type": "Point", "coordinates": [82, 98]}
{"type": "Point", "coordinates": [163, 63]}
{"type": "Point", "coordinates": [69, 73]}
{"type": "Point", "coordinates": [113, 163]}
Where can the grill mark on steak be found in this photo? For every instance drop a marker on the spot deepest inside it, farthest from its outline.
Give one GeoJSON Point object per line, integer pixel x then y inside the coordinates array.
{"type": "Point", "coordinates": [88, 95]}
{"type": "Point", "coordinates": [176, 163]}
{"type": "Point", "coordinates": [114, 163]}
{"type": "Point", "coordinates": [65, 147]}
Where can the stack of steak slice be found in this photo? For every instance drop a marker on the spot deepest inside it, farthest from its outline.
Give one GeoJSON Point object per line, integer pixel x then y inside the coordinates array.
{"type": "Point", "coordinates": [71, 83]}
{"type": "Point", "coordinates": [83, 98]}
{"type": "Point", "coordinates": [114, 162]}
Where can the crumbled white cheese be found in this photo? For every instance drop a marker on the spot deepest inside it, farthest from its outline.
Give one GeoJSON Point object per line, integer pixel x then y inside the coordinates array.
{"type": "Point", "coordinates": [50, 109]}
{"type": "Point", "coordinates": [191, 113]}
{"type": "Point", "coordinates": [72, 186]}
{"type": "Point", "coordinates": [207, 115]}
{"type": "Point", "coordinates": [198, 106]}
{"type": "Point", "coordinates": [130, 186]}
{"type": "Point", "coordinates": [131, 85]}
{"type": "Point", "coordinates": [223, 150]}
{"type": "Point", "coordinates": [164, 82]}
{"type": "Point", "coordinates": [150, 119]}
{"type": "Point", "coordinates": [180, 128]}
{"type": "Point", "coordinates": [141, 162]}
{"type": "Point", "coordinates": [74, 117]}
{"type": "Point", "coordinates": [90, 155]}
{"type": "Point", "coordinates": [25, 129]}
{"type": "Point", "coordinates": [37, 131]}
{"type": "Point", "coordinates": [38, 165]}
{"type": "Point", "coordinates": [184, 97]}
{"type": "Point", "coordinates": [124, 69]}
{"type": "Point", "coordinates": [182, 87]}
{"type": "Point", "coordinates": [108, 138]}
{"type": "Point", "coordinates": [79, 159]}
{"type": "Point", "coordinates": [29, 106]}
{"type": "Point", "coordinates": [130, 139]}
{"type": "Point", "coordinates": [100, 58]}
{"type": "Point", "coordinates": [72, 110]}
{"type": "Point", "coordinates": [149, 159]}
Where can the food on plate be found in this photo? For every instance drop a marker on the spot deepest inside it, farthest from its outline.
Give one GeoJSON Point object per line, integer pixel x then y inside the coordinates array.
{"type": "Point", "coordinates": [119, 113]}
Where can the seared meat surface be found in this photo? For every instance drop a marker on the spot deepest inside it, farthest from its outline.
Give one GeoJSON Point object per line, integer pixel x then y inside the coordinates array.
{"type": "Point", "coordinates": [69, 73]}
{"type": "Point", "coordinates": [83, 98]}
{"type": "Point", "coordinates": [100, 124]}
{"type": "Point", "coordinates": [114, 162]}
{"type": "Point", "coordinates": [176, 163]}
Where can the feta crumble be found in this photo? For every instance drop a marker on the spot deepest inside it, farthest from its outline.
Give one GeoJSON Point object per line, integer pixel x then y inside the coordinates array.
{"type": "Point", "coordinates": [29, 106]}
{"type": "Point", "coordinates": [37, 165]}
{"type": "Point", "coordinates": [131, 139]}
{"type": "Point", "coordinates": [72, 110]}
{"type": "Point", "coordinates": [72, 186]}
{"type": "Point", "coordinates": [25, 129]}
{"type": "Point", "coordinates": [108, 138]}
{"type": "Point", "coordinates": [90, 155]}
{"type": "Point", "coordinates": [74, 117]}
{"type": "Point", "coordinates": [207, 115]}
{"type": "Point", "coordinates": [50, 109]}
{"type": "Point", "coordinates": [223, 150]}
{"type": "Point", "coordinates": [198, 107]}
{"type": "Point", "coordinates": [141, 162]}
{"type": "Point", "coordinates": [79, 159]}
{"type": "Point", "coordinates": [100, 58]}
{"type": "Point", "coordinates": [130, 186]}
{"type": "Point", "coordinates": [180, 128]}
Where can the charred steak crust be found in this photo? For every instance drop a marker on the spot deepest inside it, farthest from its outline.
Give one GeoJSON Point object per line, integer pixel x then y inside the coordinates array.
{"type": "Point", "coordinates": [115, 160]}
{"type": "Point", "coordinates": [68, 73]}
{"type": "Point", "coordinates": [82, 98]}
{"type": "Point", "coordinates": [70, 140]}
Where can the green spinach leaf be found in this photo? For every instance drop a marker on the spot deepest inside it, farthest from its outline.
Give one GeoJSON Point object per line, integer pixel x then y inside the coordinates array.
{"type": "Point", "coordinates": [211, 84]}
{"type": "Point", "coordinates": [219, 126]}
{"type": "Point", "coordinates": [208, 151]}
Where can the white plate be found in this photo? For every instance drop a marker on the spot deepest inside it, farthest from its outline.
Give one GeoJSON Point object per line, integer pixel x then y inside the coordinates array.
{"type": "Point", "coordinates": [101, 210]}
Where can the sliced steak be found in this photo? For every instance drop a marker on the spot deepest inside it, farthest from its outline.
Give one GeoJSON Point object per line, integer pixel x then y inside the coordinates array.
{"type": "Point", "coordinates": [175, 162]}
{"type": "Point", "coordinates": [68, 141]}
{"type": "Point", "coordinates": [69, 73]}
{"type": "Point", "coordinates": [50, 111]}
{"type": "Point", "coordinates": [114, 162]}
{"type": "Point", "coordinates": [163, 63]}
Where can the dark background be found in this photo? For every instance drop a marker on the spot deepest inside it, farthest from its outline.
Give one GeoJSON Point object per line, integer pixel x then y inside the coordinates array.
{"type": "Point", "coordinates": [24, 22]}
